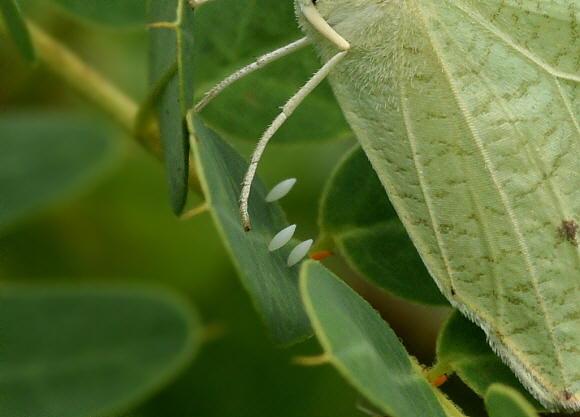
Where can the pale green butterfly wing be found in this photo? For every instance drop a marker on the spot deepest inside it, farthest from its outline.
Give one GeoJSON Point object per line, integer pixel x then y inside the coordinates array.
{"type": "Point", "coordinates": [468, 111]}
{"type": "Point", "coordinates": [516, 85]}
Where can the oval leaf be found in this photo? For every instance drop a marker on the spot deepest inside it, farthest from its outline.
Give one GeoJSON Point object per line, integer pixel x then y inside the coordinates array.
{"type": "Point", "coordinates": [271, 283]}
{"type": "Point", "coordinates": [171, 81]}
{"type": "Point", "coordinates": [464, 347]}
{"type": "Point", "coordinates": [43, 157]}
{"type": "Point", "coordinates": [357, 214]}
{"type": "Point", "coordinates": [502, 401]}
{"type": "Point", "coordinates": [363, 347]}
{"type": "Point", "coordinates": [82, 351]}
{"type": "Point", "coordinates": [233, 33]}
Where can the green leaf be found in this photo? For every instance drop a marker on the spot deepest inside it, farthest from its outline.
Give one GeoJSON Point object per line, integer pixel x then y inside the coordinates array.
{"type": "Point", "coordinates": [357, 214]}
{"type": "Point", "coordinates": [106, 12]}
{"type": "Point", "coordinates": [90, 351]}
{"type": "Point", "coordinates": [363, 348]}
{"type": "Point", "coordinates": [17, 28]}
{"type": "Point", "coordinates": [271, 283]}
{"type": "Point", "coordinates": [233, 33]}
{"type": "Point", "coordinates": [502, 401]}
{"type": "Point", "coordinates": [171, 81]}
{"type": "Point", "coordinates": [44, 157]}
{"type": "Point", "coordinates": [464, 347]}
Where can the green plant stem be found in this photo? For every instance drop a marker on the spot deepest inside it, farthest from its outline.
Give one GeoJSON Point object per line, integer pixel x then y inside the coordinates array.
{"type": "Point", "coordinates": [108, 98]}
{"type": "Point", "coordinates": [439, 368]}
{"type": "Point", "coordinates": [84, 79]}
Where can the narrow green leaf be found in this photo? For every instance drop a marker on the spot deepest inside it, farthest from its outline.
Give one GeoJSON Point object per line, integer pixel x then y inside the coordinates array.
{"type": "Point", "coordinates": [233, 33]}
{"type": "Point", "coordinates": [357, 214]}
{"type": "Point", "coordinates": [44, 157]}
{"type": "Point", "coordinates": [502, 401]}
{"type": "Point", "coordinates": [271, 283]}
{"type": "Point", "coordinates": [464, 347]}
{"type": "Point", "coordinates": [90, 351]}
{"type": "Point", "coordinates": [106, 12]}
{"type": "Point", "coordinates": [171, 52]}
{"type": "Point", "coordinates": [17, 28]}
{"type": "Point", "coordinates": [363, 347]}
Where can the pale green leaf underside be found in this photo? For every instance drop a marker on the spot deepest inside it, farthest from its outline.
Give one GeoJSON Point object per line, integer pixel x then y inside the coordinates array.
{"type": "Point", "coordinates": [272, 285]}
{"type": "Point", "coordinates": [468, 111]}
{"type": "Point", "coordinates": [363, 347]}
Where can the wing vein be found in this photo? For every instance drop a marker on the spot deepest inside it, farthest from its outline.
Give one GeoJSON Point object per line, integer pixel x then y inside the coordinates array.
{"type": "Point", "coordinates": [489, 166]}
{"type": "Point", "coordinates": [476, 18]}
{"type": "Point", "coordinates": [422, 183]}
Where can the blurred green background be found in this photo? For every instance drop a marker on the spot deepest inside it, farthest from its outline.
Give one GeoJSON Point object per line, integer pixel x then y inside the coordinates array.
{"type": "Point", "coordinates": [117, 227]}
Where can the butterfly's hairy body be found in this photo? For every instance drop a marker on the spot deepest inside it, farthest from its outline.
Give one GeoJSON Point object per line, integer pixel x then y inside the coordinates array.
{"type": "Point", "coordinates": [469, 112]}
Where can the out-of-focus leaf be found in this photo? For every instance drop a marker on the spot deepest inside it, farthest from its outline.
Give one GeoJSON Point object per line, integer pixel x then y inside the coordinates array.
{"type": "Point", "coordinates": [357, 214]}
{"type": "Point", "coordinates": [503, 401]}
{"type": "Point", "coordinates": [233, 33]}
{"type": "Point", "coordinates": [464, 347]}
{"type": "Point", "coordinates": [363, 348]}
{"type": "Point", "coordinates": [107, 12]}
{"type": "Point", "coordinates": [17, 28]}
{"type": "Point", "coordinates": [43, 157]}
{"type": "Point", "coordinates": [271, 283]}
{"type": "Point", "coordinates": [85, 352]}
{"type": "Point", "coordinates": [171, 81]}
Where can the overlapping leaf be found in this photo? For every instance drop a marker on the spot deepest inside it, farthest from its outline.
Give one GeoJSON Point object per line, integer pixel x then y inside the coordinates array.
{"type": "Point", "coordinates": [363, 347]}
{"type": "Point", "coordinates": [272, 284]}
{"type": "Point", "coordinates": [357, 214]}
{"type": "Point", "coordinates": [231, 34]}
{"type": "Point", "coordinates": [171, 81]}
{"type": "Point", "coordinates": [464, 347]}
{"type": "Point", "coordinates": [501, 401]}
